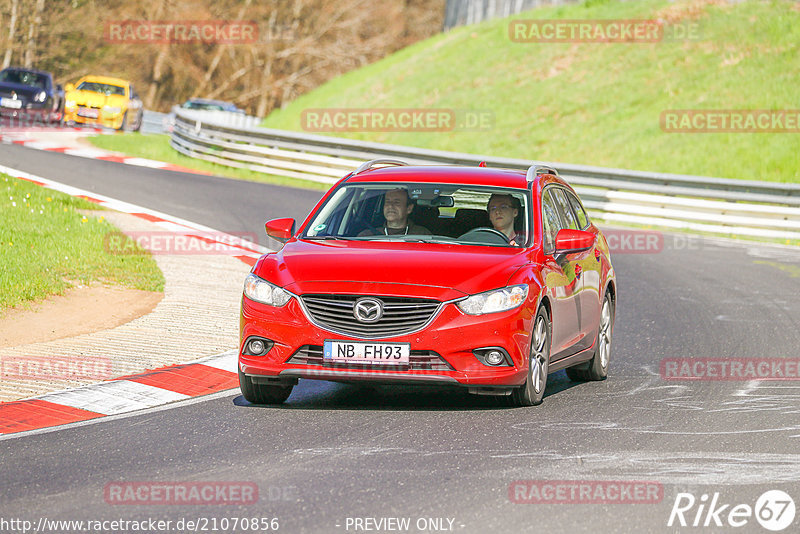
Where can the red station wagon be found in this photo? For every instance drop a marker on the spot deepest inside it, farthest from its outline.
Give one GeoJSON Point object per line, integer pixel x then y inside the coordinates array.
{"type": "Point", "coordinates": [485, 278]}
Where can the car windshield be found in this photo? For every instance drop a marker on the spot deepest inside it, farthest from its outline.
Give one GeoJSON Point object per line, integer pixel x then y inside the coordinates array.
{"type": "Point", "coordinates": [105, 88]}
{"type": "Point", "coordinates": [24, 77]}
{"type": "Point", "coordinates": [427, 213]}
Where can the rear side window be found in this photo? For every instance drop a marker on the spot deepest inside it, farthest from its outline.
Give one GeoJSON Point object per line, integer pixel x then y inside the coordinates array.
{"type": "Point", "coordinates": [550, 222]}
{"type": "Point", "coordinates": [580, 213]}
{"type": "Point", "coordinates": [564, 209]}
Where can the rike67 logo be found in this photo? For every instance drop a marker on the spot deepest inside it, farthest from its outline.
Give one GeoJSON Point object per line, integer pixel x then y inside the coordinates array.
{"type": "Point", "coordinates": [774, 510]}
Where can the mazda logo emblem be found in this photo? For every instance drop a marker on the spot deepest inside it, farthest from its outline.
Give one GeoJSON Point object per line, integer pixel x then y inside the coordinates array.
{"type": "Point", "coordinates": [368, 310]}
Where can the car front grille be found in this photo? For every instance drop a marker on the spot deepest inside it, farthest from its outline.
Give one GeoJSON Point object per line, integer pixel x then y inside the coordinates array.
{"type": "Point", "coordinates": [400, 315]}
{"type": "Point", "coordinates": [419, 360]}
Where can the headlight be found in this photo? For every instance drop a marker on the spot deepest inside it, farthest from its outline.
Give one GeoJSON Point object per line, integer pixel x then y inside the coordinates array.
{"type": "Point", "coordinates": [69, 103]}
{"type": "Point", "coordinates": [497, 300]}
{"type": "Point", "coordinates": [260, 290]}
{"type": "Point", "coordinates": [40, 97]}
{"type": "Point", "coordinates": [112, 110]}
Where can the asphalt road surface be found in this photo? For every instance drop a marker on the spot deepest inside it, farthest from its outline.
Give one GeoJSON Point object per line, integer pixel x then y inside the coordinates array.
{"type": "Point", "coordinates": [341, 458]}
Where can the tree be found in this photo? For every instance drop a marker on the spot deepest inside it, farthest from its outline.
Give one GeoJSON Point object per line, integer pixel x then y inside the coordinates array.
{"type": "Point", "coordinates": [300, 45]}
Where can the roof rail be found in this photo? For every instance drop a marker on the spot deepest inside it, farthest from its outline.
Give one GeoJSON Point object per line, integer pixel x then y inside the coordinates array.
{"type": "Point", "coordinates": [369, 164]}
{"type": "Point", "coordinates": [536, 170]}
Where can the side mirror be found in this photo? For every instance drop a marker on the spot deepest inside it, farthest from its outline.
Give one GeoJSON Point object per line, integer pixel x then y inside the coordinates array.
{"type": "Point", "coordinates": [280, 229]}
{"type": "Point", "coordinates": [69, 87]}
{"type": "Point", "coordinates": [568, 241]}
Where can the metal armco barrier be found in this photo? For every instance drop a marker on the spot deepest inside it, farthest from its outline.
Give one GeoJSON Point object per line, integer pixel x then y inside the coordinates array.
{"type": "Point", "coordinates": [765, 210]}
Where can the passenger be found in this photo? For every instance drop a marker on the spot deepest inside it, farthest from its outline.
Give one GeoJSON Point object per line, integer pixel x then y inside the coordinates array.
{"type": "Point", "coordinates": [397, 206]}
{"type": "Point", "coordinates": [503, 211]}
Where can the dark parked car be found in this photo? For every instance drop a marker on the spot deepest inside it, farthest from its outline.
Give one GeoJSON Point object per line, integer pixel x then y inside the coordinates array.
{"type": "Point", "coordinates": [31, 94]}
{"type": "Point", "coordinates": [201, 104]}
{"type": "Point", "coordinates": [206, 104]}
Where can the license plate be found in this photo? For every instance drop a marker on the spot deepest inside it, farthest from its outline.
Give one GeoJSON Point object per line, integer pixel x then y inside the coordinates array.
{"type": "Point", "coordinates": [370, 353]}
{"type": "Point", "coordinates": [10, 103]}
{"type": "Point", "coordinates": [89, 113]}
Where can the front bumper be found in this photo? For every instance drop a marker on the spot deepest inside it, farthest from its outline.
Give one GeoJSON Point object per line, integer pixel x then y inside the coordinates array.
{"type": "Point", "coordinates": [451, 334]}
{"type": "Point", "coordinates": [34, 114]}
{"type": "Point", "coordinates": [109, 121]}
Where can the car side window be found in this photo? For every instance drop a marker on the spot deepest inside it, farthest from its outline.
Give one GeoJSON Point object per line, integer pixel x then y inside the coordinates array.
{"type": "Point", "coordinates": [580, 213]}
{"type": "Point", "coordinates": [550, 222]}
{"type": "Point", "coordinates": [564, 210]}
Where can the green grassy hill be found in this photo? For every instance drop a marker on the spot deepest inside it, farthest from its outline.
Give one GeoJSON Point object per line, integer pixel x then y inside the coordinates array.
{"type": "Point", "coordinates": [596, 103]}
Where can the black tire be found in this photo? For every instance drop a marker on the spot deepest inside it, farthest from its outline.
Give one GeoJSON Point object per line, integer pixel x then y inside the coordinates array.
{"type": "Point", "coordinates": [139, 120]}
{"type": "Point", "coordinates": [597, 367]}
{"type": "Point", "coordinates": [123, 123]}
{"type": "Point", "coordinates": [261, 393]}
{"type": "Point", "coordinates": [531, 392]}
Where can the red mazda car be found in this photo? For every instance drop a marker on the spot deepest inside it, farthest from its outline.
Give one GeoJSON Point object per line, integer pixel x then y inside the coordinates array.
{"type": "Point", "coordinates": [485, 278]}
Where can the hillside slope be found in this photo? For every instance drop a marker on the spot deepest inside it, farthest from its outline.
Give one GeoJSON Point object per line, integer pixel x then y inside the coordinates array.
{"type": "Point", "coordinates": [596, 103]}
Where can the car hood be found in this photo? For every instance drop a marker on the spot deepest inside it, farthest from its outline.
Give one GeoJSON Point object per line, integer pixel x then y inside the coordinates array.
{"type": "Point", "coordinates": [442, 272]}
{"type": "Point", "coordinates": [26, 91]}
{"type": "Point", "coordinates": [96, 100]}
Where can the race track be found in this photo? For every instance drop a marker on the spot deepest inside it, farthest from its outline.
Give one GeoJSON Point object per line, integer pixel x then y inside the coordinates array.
{"type": "Point", "coordinates": [334, 452]}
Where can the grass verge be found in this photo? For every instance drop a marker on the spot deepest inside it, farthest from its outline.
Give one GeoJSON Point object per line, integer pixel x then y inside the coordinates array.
{"type": "Point", "coordinates": [595, 103]}
{"type": "Point", "coordinates": [46, 244]}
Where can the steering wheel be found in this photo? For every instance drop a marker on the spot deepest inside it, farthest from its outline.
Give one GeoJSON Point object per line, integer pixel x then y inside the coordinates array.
{"type": "Point", "coordinates": [365, 222]}
{"type": "Point", "coordinates": [480, 234]}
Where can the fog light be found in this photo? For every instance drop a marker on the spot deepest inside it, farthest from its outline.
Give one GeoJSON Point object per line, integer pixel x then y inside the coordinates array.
{"type": "Point", "coordinates": [256, 346]}
{"type": "Point", "coordinates": [494, 357]}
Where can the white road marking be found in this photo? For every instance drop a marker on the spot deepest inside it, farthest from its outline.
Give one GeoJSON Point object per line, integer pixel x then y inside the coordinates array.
{"type": "Point", "coordinates": [127, 207]}
{"type": "Point", "coordinates": [110, 398]}
{"type": "Point", "coordinates": [142, 162]}
{"type": "Point", "coordinates": [171, 226]}
{"type": "Point", "coordinates": [83, 152]}
{"type": "Point", "coordinates": [41, 145]}
{"type": "Point", "coordinates": [171, 406]}
{"type": "Point", "coordinates": [228, 361]}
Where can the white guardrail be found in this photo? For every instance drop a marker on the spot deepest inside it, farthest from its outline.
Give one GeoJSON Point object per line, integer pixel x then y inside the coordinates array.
{"type": "Point", "coordinates": [753, 209]}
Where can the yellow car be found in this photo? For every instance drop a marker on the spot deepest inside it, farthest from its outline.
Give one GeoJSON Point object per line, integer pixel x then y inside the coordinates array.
{"type": "Point", "coordinates": [105, 101]}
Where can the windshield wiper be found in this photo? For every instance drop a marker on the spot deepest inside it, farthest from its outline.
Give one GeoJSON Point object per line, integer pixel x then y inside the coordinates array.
{"type": "Point", "coordinates": [327, 238]}
{"type": "Point", "coordinates": [430, 240]}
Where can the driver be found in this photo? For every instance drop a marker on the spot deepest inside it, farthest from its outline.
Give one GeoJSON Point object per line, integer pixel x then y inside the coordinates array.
{"type": "Point", "coordinates": [397, 206]}
{"type": "Point", "coordinates": [503, 210]}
